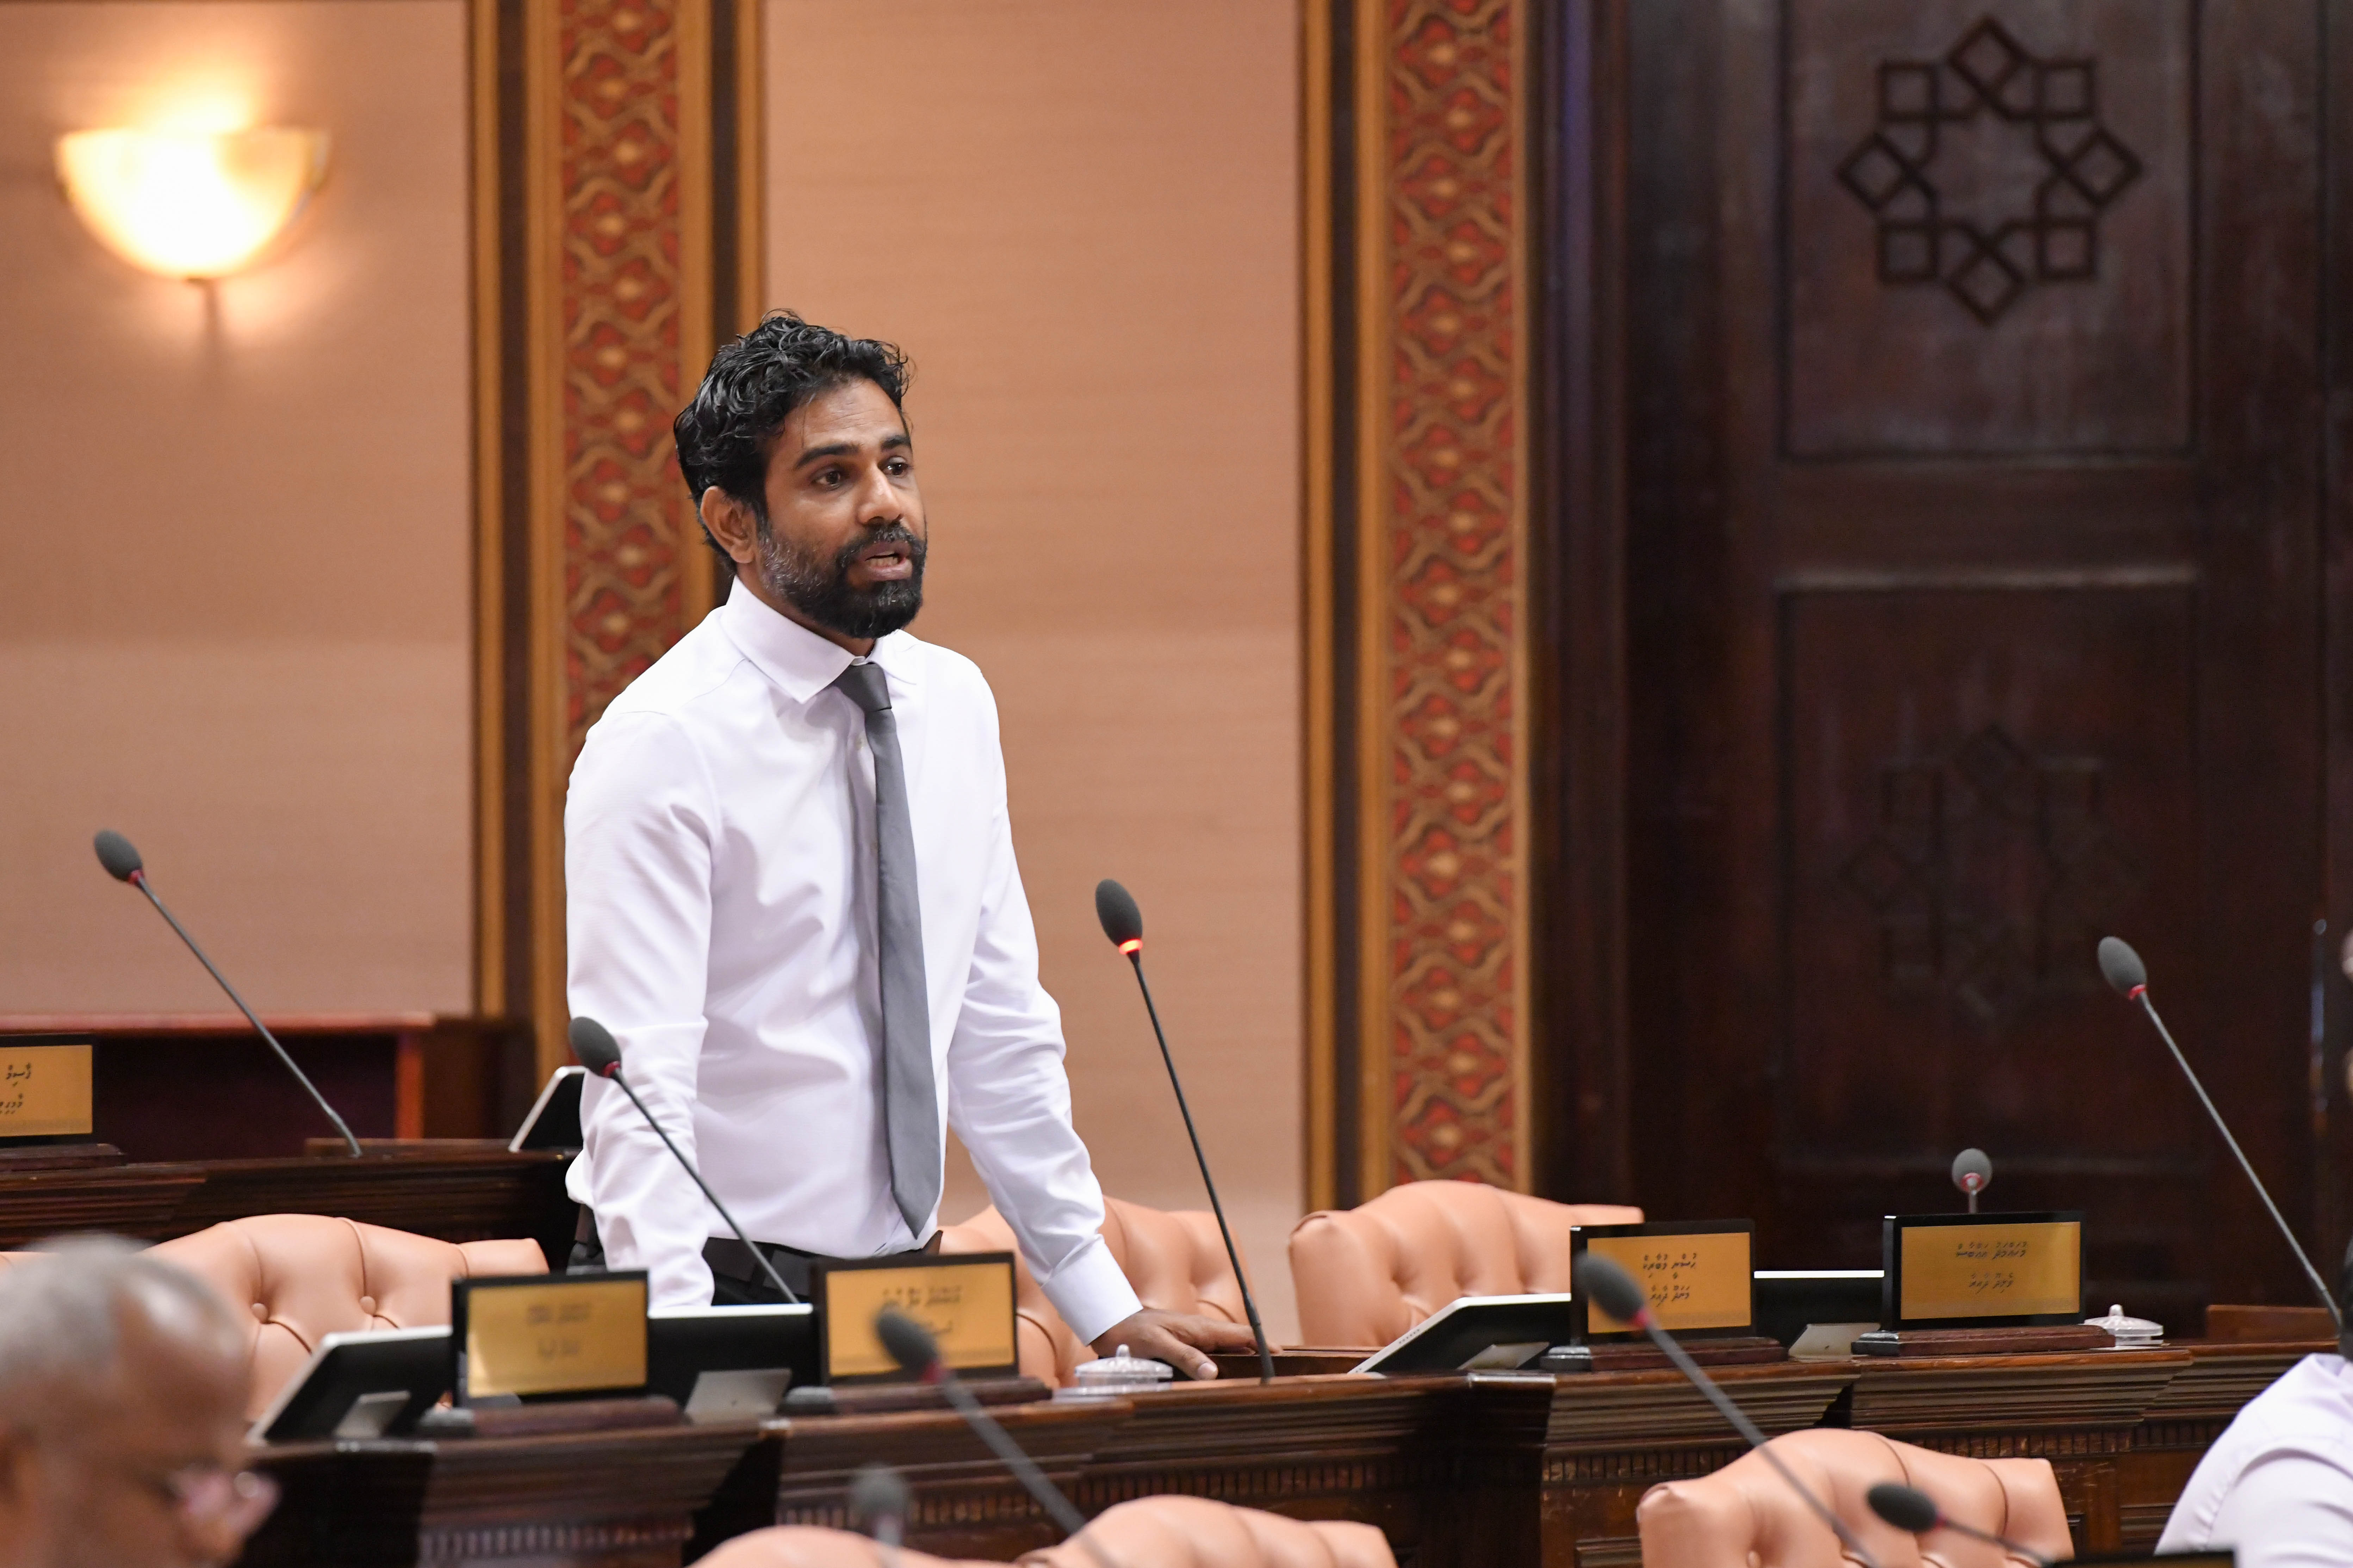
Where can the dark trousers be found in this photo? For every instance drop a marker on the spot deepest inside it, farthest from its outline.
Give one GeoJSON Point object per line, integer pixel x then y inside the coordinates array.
{"type": "Point", "coordinates": [736, 1278]}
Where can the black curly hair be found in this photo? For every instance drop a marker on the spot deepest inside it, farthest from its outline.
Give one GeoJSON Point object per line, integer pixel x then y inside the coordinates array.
{"type": "Point", "coordinates": [753, 385]}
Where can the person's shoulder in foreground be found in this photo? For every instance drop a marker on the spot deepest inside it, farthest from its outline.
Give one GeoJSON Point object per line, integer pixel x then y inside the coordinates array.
{"type": "Point", "coordinates": [2277, 1486]}
{"type": "Point", "coordinates": [122, 1384]}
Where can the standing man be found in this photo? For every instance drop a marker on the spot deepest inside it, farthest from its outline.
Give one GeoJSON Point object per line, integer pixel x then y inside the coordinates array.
{"type": "Point", "coordinates": [791, 891]}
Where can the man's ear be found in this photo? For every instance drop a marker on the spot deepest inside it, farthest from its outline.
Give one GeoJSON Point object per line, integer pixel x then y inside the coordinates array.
{"type": "Point", "coordinates": [731, 524]}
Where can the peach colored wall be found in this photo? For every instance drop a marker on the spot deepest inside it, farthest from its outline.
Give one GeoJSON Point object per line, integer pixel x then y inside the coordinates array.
{"type": "Point", "coordinates": [1082, 220]}
{"type": "Point", "coordinates": [234, 551]}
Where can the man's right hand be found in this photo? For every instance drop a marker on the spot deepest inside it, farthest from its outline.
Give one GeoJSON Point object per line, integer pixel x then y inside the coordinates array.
{"type": "Point", "coordinates": [1176, 1338]}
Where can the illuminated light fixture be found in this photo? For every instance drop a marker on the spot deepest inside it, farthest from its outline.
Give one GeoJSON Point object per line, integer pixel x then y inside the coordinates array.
{"type": "Point", "coordinates": [190, 204]}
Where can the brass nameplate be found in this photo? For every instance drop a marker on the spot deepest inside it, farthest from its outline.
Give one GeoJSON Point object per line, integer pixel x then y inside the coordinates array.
{"type": "Point", "coordinates": [1701, 1280]}
{"type": "Point", "coordinates": [552, 1336]}
{"type": "Point", "coordinates": [966, 1303]}
{"type": "Point", "coordinates": [44, 1091]}
{"type": "Point", "coordinates": [2001, 1270]}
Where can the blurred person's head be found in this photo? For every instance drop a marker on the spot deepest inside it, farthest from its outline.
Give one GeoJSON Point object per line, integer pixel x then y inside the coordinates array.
{"type": "Point", "coordinates": [796, 452]}
{"type": "Point", "coordinates": [121, 1398]}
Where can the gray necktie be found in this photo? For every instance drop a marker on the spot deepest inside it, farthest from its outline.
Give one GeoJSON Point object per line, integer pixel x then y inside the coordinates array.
{"type": "Point", "coordinates": [911, 1106]}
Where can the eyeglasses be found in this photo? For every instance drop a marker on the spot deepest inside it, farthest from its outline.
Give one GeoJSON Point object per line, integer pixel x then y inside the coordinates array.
{"type": "Point", "coordinates": [219, 1500]}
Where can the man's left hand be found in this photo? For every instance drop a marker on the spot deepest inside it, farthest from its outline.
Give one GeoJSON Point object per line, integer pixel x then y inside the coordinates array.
{"type": "Point", "coordinates": [1176, 1338]}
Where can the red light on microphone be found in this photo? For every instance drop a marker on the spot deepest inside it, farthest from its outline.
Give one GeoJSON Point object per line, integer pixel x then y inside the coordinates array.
{"type": "Point", "coordinates": [2135, 993]}
{"type": "Point", "coordinates": [1133, 945]}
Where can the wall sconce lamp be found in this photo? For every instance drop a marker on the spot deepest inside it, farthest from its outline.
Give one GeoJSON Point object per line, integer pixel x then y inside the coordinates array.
{"type": "Point", "coordinates": [190, 204]}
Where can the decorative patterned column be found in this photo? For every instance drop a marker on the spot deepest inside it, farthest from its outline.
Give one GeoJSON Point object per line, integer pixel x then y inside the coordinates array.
{"type": "Point", "coordinates": [1438, 534]}
{"type": "Point", "coordinates": [620, 282]}
{"type": "Point", "coordinates": [633, 312]}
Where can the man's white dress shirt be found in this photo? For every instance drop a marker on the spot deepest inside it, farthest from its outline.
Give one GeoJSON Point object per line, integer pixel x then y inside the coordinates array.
{"type": "Point", "coordinates": [719, 864]}
{"type": "Point", "coordinates": [2277, 1486]}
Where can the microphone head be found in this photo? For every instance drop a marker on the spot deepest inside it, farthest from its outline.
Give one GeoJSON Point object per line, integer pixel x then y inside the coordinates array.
{"type": "Point", "coordinates": [1122, 922]}
{"type": "Point", "coordinates": [877, 1493]}
{"type": "Point", "coordinates": [910, 1343]}
{"type": "Point", "coordinates": [2121, 965]}
{"type": "Point", "coordinates": [1608, 1285]}
{"type": "Point", "coordinates": [1972, 1171]}
{"type": "Point", "coordinates": [594, 1045]}
{"type": "Point", "coordinates": [1906, 1507]}
{"type": "Point", "coordinates": [115, 854]}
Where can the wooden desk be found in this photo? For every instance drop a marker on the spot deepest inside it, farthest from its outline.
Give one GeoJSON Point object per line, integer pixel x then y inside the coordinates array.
{"type": "Point", "coordinates": [621, 1500]}
{"type": "Point", "coordinates": [1459, 1471]}
{"type": "Point", "coordinates": [178, 1087]}
{"type": "Point", "coordinates": [458, 1195]}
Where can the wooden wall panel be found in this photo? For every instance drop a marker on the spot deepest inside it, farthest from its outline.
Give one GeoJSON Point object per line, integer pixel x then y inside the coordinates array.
{"type": "Point", "coordinates": [1967, 817]}
{"type": "Point", "coordinates": [1969, 626]}
{"type": "Point", "coordinates": [1998, 259]}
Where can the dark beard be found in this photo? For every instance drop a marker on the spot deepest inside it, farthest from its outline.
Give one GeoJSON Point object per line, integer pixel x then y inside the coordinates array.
{"type": "Point", "coordinates": [822, 591]}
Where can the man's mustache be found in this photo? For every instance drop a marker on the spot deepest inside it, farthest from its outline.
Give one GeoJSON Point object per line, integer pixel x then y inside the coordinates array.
{"type": "Point", "coordinates": [897, 534]}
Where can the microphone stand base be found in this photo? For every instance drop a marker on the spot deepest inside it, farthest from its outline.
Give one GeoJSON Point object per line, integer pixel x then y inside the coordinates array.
{"type": "Point", "coordinates": [542, 1417]}
{"type": "Point", "coordinates": [1639, 1355]}
{"type": "Point", "coordinates": [2028, 1340]}
{"type": "Point", "coordinates": [880, 1398]}
{"type": "Point", "coordinates": [1309, 1360]}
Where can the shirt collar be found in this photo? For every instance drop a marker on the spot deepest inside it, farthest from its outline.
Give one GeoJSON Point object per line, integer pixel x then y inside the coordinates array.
{"type": "Point", "coordinates": [798, 660]}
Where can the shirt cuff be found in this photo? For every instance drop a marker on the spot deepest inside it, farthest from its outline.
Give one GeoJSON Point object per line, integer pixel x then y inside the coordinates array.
{"type": "Point", "coordinates": [1090, 1292]}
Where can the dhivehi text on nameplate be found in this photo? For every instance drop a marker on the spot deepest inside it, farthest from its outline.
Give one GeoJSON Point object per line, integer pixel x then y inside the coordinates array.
{"type": "Point", "coordinates": [2005, 1269]}
{"type": "Point", "coordinates": [966, 1303]}
{"type": "Point", "coordinates": [560, 1336]}
{"type": "Point", "coordinates": [44, 1091]}
{"type": "Point", "coordinates": [1697, 1281]}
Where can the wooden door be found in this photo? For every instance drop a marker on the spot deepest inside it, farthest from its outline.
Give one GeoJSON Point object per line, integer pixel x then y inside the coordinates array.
{"type": "Point", "coordinates": [1974, 610]}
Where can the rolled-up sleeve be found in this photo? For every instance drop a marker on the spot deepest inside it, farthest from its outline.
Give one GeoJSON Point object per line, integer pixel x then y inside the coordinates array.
{"type": "Point", "coordinates": [639, 825]}
{"type": "Point", "coordinates": [1009, 1101]}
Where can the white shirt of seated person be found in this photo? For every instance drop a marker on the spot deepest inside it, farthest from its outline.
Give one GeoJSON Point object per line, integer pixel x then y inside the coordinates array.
{"type": "Point", "coordinates": [2277, 1486]}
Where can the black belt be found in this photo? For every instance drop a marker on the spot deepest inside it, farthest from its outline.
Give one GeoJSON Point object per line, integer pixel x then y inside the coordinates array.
{"type": "Point", "coordinates": [732, 1260]}
{"type": "Point", "coordinates": [733, 1263]}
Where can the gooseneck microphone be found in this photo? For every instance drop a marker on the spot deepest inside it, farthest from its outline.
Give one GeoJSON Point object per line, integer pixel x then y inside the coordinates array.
{"type": "Point", "coordinates": [912, 1346]}
{"type": "Point", "coordinates": [2129, 976]}
{"type": "Point", "coordinates": [879, 1505]}
{"type": "Point", "coordinates": [601, 1055]}
{"type": "Point", "coordinates": [1915, 1512]}
{"type": "Point", "coordinates": [1972, 1174]}
{"type": "Point", "coordinates": [124, 864]}
{"type": "Point", "coordinates": [1606, 1285]}
{"type": "Point", "coordinates": [1122, 922]}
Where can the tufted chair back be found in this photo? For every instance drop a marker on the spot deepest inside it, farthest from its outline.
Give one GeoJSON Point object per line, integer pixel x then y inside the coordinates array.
{"type": "Point", "coordinates": [1175, 1261]}
{"type": "Point", "coordinates": [1149, 1532]}
{"type": "Point", "coordinates": [300, 1277]}
{"type": "Point", "coordinates": [1198, 1532]}
{"type": "Point", "coordinates": [807, 1546]}
{"type": "Point", "coordinates": [1367, 1275]}
{"type": "Point", "coordinates": [1744, 1516]}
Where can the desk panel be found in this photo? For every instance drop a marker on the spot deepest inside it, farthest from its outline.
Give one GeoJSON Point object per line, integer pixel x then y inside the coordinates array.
{"type": "Point", "coordinates": [1460, 1470]}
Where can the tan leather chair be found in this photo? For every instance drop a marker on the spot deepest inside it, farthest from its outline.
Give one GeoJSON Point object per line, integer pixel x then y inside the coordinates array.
{"type": "Point", "coordinates": [1198, 1532]}
{"type": "Point", "coordinates": [1175, 1260]}
{"type": "Point", "coordinates": [1367, 1275]}
{"type": "Point", "coordinates": [1745, 1516]}
{"type": "Point", "coordinates": [807, 1546]}
{"type": "Point", "coordinates": [1149, 1532]}
{"type": "Point", "coordinates": [300, 1277]}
